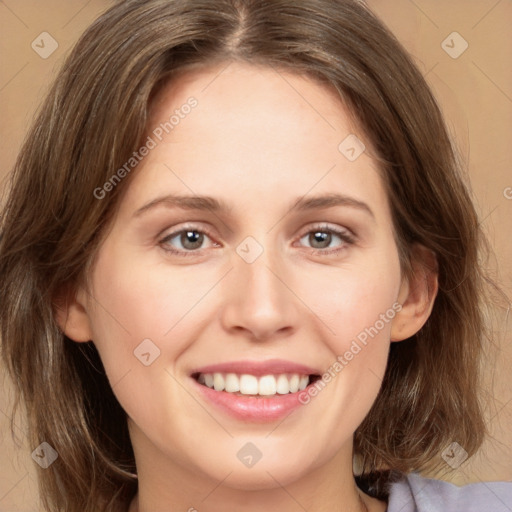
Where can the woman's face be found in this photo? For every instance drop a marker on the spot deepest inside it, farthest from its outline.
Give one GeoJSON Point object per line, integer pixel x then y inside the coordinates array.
{"type": "Point", "coordinates": [284, 264]}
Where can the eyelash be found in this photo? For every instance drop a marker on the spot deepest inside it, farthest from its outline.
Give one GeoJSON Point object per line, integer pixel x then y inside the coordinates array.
{"type": "Point", "coordinates": [347, 237]}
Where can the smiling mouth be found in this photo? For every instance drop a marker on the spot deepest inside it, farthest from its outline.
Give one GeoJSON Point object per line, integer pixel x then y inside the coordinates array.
{"type": "Point", "coordinates": [256, 386]}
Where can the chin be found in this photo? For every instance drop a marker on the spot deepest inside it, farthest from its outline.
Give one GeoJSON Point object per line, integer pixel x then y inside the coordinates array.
{"type": "Point", "coordinates": [264, 478]}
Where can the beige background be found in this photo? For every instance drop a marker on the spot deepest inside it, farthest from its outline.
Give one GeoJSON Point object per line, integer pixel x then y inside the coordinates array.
{"type": "Point", "coordinates": [474, 90]}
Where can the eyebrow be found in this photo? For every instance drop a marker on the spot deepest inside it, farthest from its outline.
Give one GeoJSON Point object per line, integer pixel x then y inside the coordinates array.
{"type": "Point", "coordinates": [208, 203]}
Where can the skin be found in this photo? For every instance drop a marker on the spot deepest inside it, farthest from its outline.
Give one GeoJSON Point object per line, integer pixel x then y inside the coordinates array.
{"type": "Point", "coordinates": [258, 140]}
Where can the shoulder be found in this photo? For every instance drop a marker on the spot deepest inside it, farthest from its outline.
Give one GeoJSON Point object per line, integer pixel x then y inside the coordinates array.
{"type": "Point", "coordinates": [415, 493]}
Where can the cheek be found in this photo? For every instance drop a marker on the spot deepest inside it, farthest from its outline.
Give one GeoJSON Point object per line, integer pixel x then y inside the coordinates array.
{"type": "Point", "coordinates": [356, 309]}
{"type": "Point", "coordinates": [355, 302]}
{"type": "Point", "coordinates": [143, 318]}
{"type": "Point", "coordinates": [135, 300]}
{"type": "Point", "coordinates": [356, 305]}
{"type": "Point", "coordinates": [137, 313]}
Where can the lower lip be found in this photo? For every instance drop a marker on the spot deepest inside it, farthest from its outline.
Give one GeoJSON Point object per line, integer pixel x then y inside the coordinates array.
{"type": "Point", "coordinates": [251, 408]}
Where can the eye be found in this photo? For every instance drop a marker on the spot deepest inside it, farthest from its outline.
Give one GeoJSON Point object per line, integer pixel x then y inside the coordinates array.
{"type": "Point", "coordinates": [190, 240]}
{"type": "Point", "coordinates": [186, 241]}
{"type": "Point", "coordinates": [324, 237]}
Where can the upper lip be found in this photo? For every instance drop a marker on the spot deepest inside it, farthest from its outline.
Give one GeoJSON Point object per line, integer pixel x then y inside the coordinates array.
{"type": "Point", "coordinates": [258, 368]}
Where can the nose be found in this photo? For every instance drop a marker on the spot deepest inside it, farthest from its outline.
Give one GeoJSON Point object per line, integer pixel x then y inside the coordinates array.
{"type": "Point", "coordinates": [260, 300]}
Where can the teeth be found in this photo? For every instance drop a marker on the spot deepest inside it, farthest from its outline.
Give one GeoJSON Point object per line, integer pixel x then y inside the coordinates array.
{"type": "Point", "coordinates": [283, 385]}
{"type": "Point", "coordinates": [232, 384]}
{"type": "Point", "coordinates": [267, 385]}
{"type": "Point", "coordinates": [294, 383]}
{"type": "Point", "coordinates": [304, 381]}
{"type": "Point", "coordinates": [218, 381]}
{"type": "Point", "coordinates": [246, 384]}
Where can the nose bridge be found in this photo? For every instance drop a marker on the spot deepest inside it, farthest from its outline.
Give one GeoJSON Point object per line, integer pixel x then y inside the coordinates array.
{"type": "Point", "coordinates": [260, 278]}
{"type": "Point", "coordinates": [259, 301]}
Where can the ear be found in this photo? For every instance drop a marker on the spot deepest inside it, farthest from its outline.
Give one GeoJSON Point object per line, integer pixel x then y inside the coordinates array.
{"type": "Point", "coordinates": [417, 294]}
{"type": "Point", "coordinates": [71, 314]}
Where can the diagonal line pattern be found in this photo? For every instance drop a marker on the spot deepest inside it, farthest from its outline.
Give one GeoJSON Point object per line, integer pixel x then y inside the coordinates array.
{"type": "Point", "coordinates": [492, 81]}
{"type": "Point", "coordinates": [486, 14]}
{"type": "Point", "coordinates": [108, 312]}
{"type": "Point", "coordinates": [215, 77]}
{"type": "Point", "coordinates": [199, 403]}
{"type": "Point", "coordinates": [424, 13]}
{"type": "Point", "coordinates": [13, 487]}
{"type": "Point", "coordinates": [279, 424]}
{"type": "Point", "coordinates": [198, 301]}
{"type": "Point", "coordinates": [76, 14]}
{"type": "Point", "coordinates": [284, 79]}
{"type": "Point", "coordinates": [430, 70]}
{"type": "Point", "coordinates": [312, 187]}
{"type": "Point", "coordinates": [13, 13]}
{"type": "Point", "coordinates": [11, 418]}
{"type": "Point", "coordinates": [490, 490]}
{"type": "Point", "coordinates": [120, 379]}
{"type": "Point", "coordinates": [193, 192]}
{"type": "Point", "coordinates": [488, 215]}
{"type": "Point", "coordinates": [332, 332]}
{"type": "Point", "coordinates": [376, 376]}
{"type": "Point", "coordinates": [217, 486]}
{"type": "Point", "coordinates": [14, 76]}
{"type": "Point", "coordinates": [286, 491]}
{"type": "Point", "coordinates": [410, 500]}
{"type": "Point", "coordinates": [501, 409]}
{"type": "Point", "coordinates": [461, 469]}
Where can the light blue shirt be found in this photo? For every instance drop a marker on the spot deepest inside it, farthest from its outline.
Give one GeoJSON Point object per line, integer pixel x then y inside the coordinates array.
{"type": "Point", "coordinates": [418, 494]}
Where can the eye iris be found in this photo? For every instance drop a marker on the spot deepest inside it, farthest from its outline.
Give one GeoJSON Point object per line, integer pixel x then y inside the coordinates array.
{"type": "Point", "coordinates": [191, 237]}
{"type": "Point", "coordinates": [320, 237]}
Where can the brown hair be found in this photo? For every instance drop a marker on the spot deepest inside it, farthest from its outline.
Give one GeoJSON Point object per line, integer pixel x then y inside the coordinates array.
{"type": "Point", "coordinates": [93, 119]}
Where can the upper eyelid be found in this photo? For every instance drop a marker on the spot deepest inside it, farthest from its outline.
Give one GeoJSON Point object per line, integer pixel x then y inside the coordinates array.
{"type": "Point", "coordinates": [190, 226]}
{"type": "Point", "coordinates": [327, 227]}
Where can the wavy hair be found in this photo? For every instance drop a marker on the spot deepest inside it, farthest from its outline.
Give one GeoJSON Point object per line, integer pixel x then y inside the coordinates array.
{"type": "Point", "coordinates": [95, 117]}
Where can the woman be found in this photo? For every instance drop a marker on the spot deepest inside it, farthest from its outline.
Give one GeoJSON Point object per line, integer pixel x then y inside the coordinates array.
{"type": "Point", "coordinates": [179, 332]}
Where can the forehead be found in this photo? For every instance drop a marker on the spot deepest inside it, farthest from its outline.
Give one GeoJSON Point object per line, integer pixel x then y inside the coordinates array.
{"type": "Point", "coordinates": [255, 133]}
{"type": "Point", "coordinates": [245, 96]}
